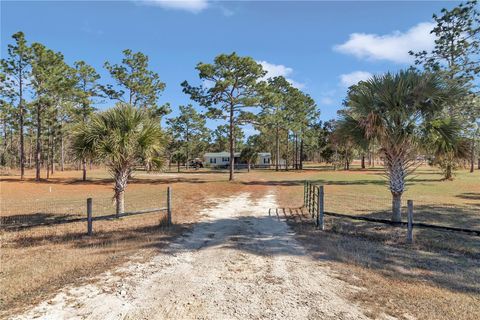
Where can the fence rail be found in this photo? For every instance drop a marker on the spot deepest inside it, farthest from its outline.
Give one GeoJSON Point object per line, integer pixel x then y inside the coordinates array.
{"type": "Point", "coordinates": [314, 202]}
{"type": "Point", "coordinates": [20, 216]}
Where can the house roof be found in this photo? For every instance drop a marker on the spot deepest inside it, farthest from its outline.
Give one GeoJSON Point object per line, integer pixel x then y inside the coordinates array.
{"type": "Point", "coordinates": [227, 154]}
{"type": "Point", "coordinates": [220, 154]}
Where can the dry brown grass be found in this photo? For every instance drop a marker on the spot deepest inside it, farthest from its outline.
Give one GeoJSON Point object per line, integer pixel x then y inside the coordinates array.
{"type": "Point", "coordinates": [436, 278]}
{"type": "Point", "coordinates": [36, 262]}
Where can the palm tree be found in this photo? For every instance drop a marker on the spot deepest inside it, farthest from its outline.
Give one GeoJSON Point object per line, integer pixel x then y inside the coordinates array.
{"type": "Point", "coordinates": [443, 138]}
{"type": "Point", "coordinates": [122, 137]}
{"type": "Point", "coordinates": [391, 109]}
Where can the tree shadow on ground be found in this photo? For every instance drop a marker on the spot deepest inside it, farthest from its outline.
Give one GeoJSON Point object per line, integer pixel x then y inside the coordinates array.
{"type": "Point", "coordinates": [459, 216]}
{"type": "Point", "coordinates": [315, 181]}
{"type": "Point", "coordinates": [109, 181]}
{"type": "Point", "coordinates": [371, 245]}
{"type": "Point", "coordinates": [35, 219]}
{"type": "Point", "coordinates": [440, 258]}
{"type": "Point", "coordinates": [469, 196]}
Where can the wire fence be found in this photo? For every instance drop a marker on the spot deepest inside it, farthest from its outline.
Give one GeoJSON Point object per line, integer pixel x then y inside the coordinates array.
{"type": "Point", "coordinates": [30, 213]}
{"type": "Point", "coordinates": [422, 213]}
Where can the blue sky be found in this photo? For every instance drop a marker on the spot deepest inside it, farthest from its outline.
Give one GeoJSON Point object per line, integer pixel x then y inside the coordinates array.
{"type": "Point", "coordinates": [322, 47]}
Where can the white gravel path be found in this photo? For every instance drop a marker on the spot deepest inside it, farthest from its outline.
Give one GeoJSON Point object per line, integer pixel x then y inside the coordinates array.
{"type": "Point", "coordinates": [237, 263]}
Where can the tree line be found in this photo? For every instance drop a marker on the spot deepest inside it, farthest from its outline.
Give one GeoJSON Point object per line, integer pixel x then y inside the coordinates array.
{"type": "Point", "coordinates": [430, 111]}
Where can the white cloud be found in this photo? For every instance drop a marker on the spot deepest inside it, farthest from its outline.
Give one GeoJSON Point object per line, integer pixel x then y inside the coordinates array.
{"type": "Point", "coordinates": [352, 78]}
{"type": "Point", "coordinates": [276, 70]}
{"type": "Point", "coordinates": [327, 101]}
{"type": "Point", "coordinates": [393, 47]}
{"type": "Point", "coordinates": [194, 6]}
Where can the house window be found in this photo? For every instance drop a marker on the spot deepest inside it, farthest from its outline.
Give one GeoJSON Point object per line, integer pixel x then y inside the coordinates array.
{"type": "Point", "coordinates": [225, 159]}
{"type": "Point", "coordinates": [213, 160]}
{"type": "Point", "coordinates": [266, 160]}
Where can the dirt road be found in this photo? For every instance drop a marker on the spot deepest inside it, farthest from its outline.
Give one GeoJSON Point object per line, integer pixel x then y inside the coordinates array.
{"type": "Point", "coordinates": [237, 263]}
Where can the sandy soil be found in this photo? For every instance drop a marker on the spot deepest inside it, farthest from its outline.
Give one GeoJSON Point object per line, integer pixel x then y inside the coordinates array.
{"type": "Point", "coordinates": [237, 263]}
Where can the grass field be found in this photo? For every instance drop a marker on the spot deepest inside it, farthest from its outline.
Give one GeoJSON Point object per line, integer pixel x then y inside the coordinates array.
{"type": "Point", "coordinates": [440, 267]}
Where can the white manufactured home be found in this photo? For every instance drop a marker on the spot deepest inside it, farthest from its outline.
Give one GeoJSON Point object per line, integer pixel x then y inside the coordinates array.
{"type": "Point", "coordinates": [222, 159]}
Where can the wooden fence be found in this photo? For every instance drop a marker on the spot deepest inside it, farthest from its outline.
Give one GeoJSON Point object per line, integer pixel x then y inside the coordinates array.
{"type": "Point", "coordinates": [314, 202]}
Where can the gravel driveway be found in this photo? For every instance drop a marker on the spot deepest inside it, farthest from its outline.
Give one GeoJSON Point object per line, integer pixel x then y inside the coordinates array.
{"type": "Point", "coordinates": [237, 263]}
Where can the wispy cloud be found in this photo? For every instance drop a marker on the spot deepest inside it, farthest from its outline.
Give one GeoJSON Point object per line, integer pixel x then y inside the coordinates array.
{"type": "Point", "coordinates": [87, 28]}
{"type": "Point", "coordinates": [276, 70]}
{"type": "Point", "coordinates": [194, 6]}
{"type": "Point", "coordinates": [349, 79]}
{"type": "Point", "coordinates": [327, 101]}
{"type": "Point", "coordinates": [392, 47]}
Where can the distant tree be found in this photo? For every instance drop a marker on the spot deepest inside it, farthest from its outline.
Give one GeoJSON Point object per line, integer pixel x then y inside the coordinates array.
{"type": "Point", "coordinates": [456, 55]}
{"type": "Point", "coordinates": [52, 80]}
{"type": "Point", "coordinates": [122, 137]}
{"type": "Point", "coordinates": [392, 108]}
{"type": "Point", "coordinates": [249, 155]}
{"type": "Point", "coordinates": [318, 137]}
{"type": "Point", "coordinates": [273, 115]}
{"type": "Point", "coordinates": [87, 89]}
{"type": "Point", "coordinates": [220, 138]}
{"type": "Point", "coordinates": [179, 157]}
{"type": "Point", "coordinates": [141, 87]}
{"type": "Point", "coordinates": [189, 129]}
{"type": "Point", "coordinates": [229, 86]}
{"type": "Point", "coordinates": [17, 70]}
{"type": "Point", "coordinates": [351, 137]}
{"type": "Point", "coordinates": [443, 138]}
{"type": "Point", "coordinates": [301, 114]}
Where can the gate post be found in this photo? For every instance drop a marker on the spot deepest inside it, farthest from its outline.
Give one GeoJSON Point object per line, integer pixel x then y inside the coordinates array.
{"type": "Point", "coordinates": [304, 193]}
{"type": "Point", "coordinates": [410, 221]}
{"type": "Point", "coordinates": [320, 220]}
{"type": "Point", "coordinates": [89, 217]}
{"type": "Point", "coordinates": [169, 206]}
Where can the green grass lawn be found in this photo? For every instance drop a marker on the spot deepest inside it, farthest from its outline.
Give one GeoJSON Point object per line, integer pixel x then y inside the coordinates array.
{"type": "Point", "coordinates": [365, 192]}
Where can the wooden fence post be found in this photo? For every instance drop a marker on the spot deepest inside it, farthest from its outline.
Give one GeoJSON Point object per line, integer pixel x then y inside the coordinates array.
{"type": "Point", "coordinates": [169, 206]}
{"type": "Point", "coordinates": [410, 221]}
{"type": "Point", "coordinates": [304, 193]}
{"type": "Point", "coordinates": [89, 217]}
{"type": "Point", "coordinates": [310, 196]}
{"type": "Point", "coordinates": [320, 220]}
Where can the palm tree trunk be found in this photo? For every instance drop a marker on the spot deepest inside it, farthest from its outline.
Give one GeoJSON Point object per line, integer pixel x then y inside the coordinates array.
{"type": "Point", "coordinates": [363, 161]}
{"type": "Point", "coordinates": [84, 169]}
{"type": "Point", "coordinates": [120, 202]}
{"type": "Point", "coordinates": [396, 207]}
{"type": "Point", "coordinates": [395, 166]}
{"type": "Point", "coordinates": [121, 180]}
{"type": "Point", "coordinates": [448, 172]}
